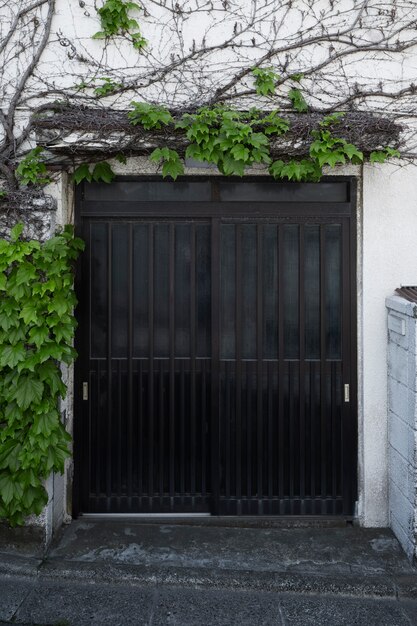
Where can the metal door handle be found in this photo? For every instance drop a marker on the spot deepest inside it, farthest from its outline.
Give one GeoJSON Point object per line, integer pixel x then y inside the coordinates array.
{"type": "Point", "coordinates": [347, 392]}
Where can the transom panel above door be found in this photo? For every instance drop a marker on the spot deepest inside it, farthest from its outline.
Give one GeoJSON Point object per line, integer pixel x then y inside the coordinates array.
{"type": "Point", "coordinates": [217, 348]}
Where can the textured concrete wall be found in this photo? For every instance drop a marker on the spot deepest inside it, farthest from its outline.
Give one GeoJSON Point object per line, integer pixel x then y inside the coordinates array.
{"type": "Point", "coordinates": [402, 421]}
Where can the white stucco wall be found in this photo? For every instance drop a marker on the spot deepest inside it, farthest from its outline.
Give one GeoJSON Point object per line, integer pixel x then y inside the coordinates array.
{"type": "Point", "coordinates": [388, 259]}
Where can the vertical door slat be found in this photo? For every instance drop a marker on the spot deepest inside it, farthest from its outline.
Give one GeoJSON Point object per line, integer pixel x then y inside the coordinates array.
{"type": "Point", "coordinates": [238, 370]}
{"type": "Point", "coordinates": [215, 362]}
{"type": "Point", "coordinates": [281, 385]}
{"type": "Point", "coordinates": [259, 325]}
{"type": "Point", "coordinates": [302, 377]}
{"type": "Point", "coordinates": [193, 381]}
{"type": "Point", "coordinates": [151, 403]}
{"type": "Point", "coordinates": [109, 366]}
{"type": "Point", "coordinates": [323, 369]}
{"type": "Point", "coordinates": [119, 433]}
{"type": "Point", "coordinates": [171, 384]}
{"type": "Point", "coordinates": [140, 443]}
{"type": "Point", "coordinates": [130, 417]}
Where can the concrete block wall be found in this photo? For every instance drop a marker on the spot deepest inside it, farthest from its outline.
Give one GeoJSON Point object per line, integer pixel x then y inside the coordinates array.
{"type": "Point", "coordinates": [402, 422]}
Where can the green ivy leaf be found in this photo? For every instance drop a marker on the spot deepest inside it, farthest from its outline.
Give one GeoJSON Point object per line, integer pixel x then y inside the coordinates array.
{"type": "Point", "coordinates": [9, 455]}
{"type": "Point", "coordinates": [115, 20]}
{"type": "Point", "coordinates": [82, 173]}
{"type": "Point", "coordinates": [13, 413]}
{"type": "Point", "coordinates": [353, 153]}
{"type": "Point", "coordinates": [298, 100]}
{"type": "Point", "coordinates": [392, 152]}
{"type": "Point", "coordinates": [8, 321]}
{"type": "Point", "coordinates": [6, 488]}
{"type": "Point", "coordinates": [32, 170]}
{"type": "Point", "coordinates": [59, 304]}
{"type": "Point", "coordinates": [332, 119]}
{"type": "Point", "coordinates": [107, 87]}
{"type": "Point", "coordinates": [29, 313]}
{"type": "Point", "coordinates": [138, 41]}
{"type": "Point", "coordinates": [302, 170]}
{"type": "Point", "coordinates": [50, 374]}
{"type": "Point", "coordinates": [25, 273]}
{"type": "Point", "coordinates": [103, 172]}
{"type": "Point", "coordinates": [38, 335]}
{"type": "Point", "coordinates": [149, 116]}
{"type": "Point", "coordinates": [274, 124]}
{"type": "Point", "coordinates": [64, 332]}
{"type": "Point", "coordinates": [172, 168]}
{"type": "Point", "coordinates": [232, 167]}
{"type": "Point", "coordinates": [171, 163]}
{"type": "Point", "coordinates": [331, 158]}
{"type": "Point", "coordinates": [16, 232]}
{"type": "Point", "coordinates": [265, 79]}
{"type": "Point", "coordinates": [378, 156]}
{"type": "Point", "coordinates": [10, 356]}
{"type": "Point", "coordinates": [240, 152]}
{"type": "Point", "coordinates": [44, 423]}
{"type": "Point", "coordinates": [121, 158]}
{"type": "Point", "coordinates": [28, 390]}
{"type": "Point", "coordinates": [16, 334]}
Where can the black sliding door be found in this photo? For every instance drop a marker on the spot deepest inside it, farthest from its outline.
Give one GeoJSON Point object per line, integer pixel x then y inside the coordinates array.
{"type": "Point", "coordinates": [216, 348]}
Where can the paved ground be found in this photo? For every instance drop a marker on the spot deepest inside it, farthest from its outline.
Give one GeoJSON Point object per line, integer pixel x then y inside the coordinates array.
{"type": "Point", "coordinates": [118, 573]}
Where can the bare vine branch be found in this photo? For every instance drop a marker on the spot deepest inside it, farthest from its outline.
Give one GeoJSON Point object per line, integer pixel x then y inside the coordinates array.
{"type": "Point", "coordinates": [358, 57]}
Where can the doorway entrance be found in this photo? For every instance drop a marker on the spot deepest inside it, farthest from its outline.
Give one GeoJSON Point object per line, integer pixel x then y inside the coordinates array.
{"type": "Point", "coordinates": [216, 342]}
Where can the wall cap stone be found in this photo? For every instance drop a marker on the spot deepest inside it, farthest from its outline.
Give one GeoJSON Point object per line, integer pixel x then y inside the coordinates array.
{"type": "Point", "coordinates": [401, 305]}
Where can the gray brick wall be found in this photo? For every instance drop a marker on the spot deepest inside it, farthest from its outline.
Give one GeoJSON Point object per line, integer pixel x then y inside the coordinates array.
{"type": "Point", "coordinates": [402, 421]}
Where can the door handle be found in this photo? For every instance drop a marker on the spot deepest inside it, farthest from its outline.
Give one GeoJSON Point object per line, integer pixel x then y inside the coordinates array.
{"type": "Point", "coordinates": [85, 391]}
{"type": "Point", "coordinates": [347, 392]}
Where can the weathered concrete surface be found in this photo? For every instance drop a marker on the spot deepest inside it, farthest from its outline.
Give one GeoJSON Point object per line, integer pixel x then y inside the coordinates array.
{"type": "Point", "coordinates": [137, 573]}
{"type": "Point", "coordinates": [12, 594]}
{"type": "Point", "coordinates": [346, 550]}
{"type": "Point", "coordinates": [59, 604]}
{"type": "Point", "coordinates": [27, 541]}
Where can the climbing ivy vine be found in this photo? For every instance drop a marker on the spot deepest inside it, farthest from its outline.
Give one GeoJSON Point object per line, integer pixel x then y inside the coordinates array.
{"type": "Point", "coordinates": [36, 335]}
{"type": "Point", "coordinates": [32, 169]}
{"type": "Point", "coordinates": [116, 20]}
{"type": "Point", "coordinates": [233, 140]}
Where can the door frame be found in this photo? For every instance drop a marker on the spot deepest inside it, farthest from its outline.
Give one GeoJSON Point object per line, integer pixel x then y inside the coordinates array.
{"type": "Point", "coordinates": [303, 209]}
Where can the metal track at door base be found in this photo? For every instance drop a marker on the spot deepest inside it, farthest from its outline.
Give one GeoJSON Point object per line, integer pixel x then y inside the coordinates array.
{"type": "Point", "coordinates": [205, 519]}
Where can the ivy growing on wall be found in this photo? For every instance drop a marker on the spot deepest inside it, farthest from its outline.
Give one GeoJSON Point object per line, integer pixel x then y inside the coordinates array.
{"type": "Point", "coordinates": [234, 140]}
{"type": "Point", "coordinates": [115, 19]}
{"type": "Point", "coordinates": [32, 169]}
{"type": "Point", "coordinates": [36, 335]}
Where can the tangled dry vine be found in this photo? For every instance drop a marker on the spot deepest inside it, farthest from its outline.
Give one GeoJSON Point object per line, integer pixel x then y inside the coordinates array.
{"type": "Point", "coordinates": [341, 55]}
